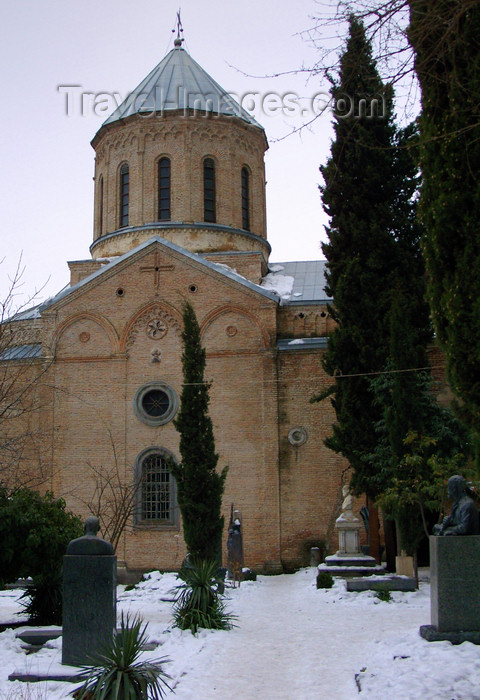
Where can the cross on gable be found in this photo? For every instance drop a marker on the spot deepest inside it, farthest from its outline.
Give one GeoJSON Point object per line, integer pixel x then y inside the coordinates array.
{"type": "Point", "coordinates": [156, 268]}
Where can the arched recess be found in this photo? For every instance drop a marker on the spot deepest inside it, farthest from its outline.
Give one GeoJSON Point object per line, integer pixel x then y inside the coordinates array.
{"type": "Point", "coordinates": [233, 329]}
{"type": "Point", "coordinates": [154, 319]}
{"type": "Point", "coordinates": [85, 335]}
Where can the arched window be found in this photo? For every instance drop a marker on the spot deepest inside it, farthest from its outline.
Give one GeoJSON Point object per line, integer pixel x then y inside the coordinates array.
{"type": "Point", "coordinates": [100, 205]}
{"type": "Point", "coordinates": [156, 499]}
{"type": "Point", "coordinates": [209, 208]}
{"type": "Point", "coordinates": [124, 194]}
{"type": "Point", "coordinates": [245, 199]}
{"type": "Point", "coordinates": [164, 189]}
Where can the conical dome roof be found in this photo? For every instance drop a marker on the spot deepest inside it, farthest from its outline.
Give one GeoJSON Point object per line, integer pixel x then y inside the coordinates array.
{"type": "Point", "coordinates": [179, 82]}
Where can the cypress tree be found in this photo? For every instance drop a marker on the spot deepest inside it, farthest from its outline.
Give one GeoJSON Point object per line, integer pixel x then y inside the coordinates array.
{"type": "Point", "coordinates": [372, 253]}
{"type": "Point", "coordinates": [445, 37]}
{"type": "Point", "coordinates": [200, 487]}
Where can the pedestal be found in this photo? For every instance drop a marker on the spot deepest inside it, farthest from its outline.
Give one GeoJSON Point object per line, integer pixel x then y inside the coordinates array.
{"type": "Point", "coordinates": [349, 560]}
{"type": "Point", "coordinates": [348, 536]}
{"type": "Point", "coordinates": [89, 606]}
{"type": "Point", "coordinates": [455, 593]}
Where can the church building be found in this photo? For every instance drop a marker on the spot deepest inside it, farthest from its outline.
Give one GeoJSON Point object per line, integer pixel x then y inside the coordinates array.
{"type": "Point", "coordinates": [180, 215]}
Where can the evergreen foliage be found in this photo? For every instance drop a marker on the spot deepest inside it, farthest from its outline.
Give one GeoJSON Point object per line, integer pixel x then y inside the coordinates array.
{"type": "Point", "coordinates": [374, 266]}
{"type": "Point", "coordinates": [117, 673]}
{"type": "Point", "coordinates": [445, 37]}
{"type": "Point", "coordinates": [198, 602]}
{"type": "Point", "coordinates": [35, 531]}
{"type": "Point", "coordinates": [200, 487]}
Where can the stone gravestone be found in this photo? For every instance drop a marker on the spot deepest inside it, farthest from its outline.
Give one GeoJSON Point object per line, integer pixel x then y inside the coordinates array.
{"type": "Point", "coordinates": [454, 567]}
{"type": "Point", "coordinates": [89, 596]}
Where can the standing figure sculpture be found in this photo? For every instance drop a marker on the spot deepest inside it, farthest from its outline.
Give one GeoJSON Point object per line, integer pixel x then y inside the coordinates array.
{"type": "Point", "coordinates": [463, 519]}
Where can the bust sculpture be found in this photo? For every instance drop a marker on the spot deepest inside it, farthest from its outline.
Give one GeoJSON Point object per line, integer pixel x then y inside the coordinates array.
{"type": "Point", "coordinates": [90, 543]}
{"type": "Point", "coordinates": [463, 519]}
{"type": "Point", "coordinates": [347, 505]}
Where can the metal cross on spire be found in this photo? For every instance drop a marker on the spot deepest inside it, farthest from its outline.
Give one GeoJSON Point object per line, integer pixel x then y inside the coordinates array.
{"type": "Point", "coordinates": [179, 40]}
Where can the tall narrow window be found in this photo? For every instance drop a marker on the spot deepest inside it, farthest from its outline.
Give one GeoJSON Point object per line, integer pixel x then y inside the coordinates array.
{"type": "Point", "coordinates": [155, 489]}
{"type": "Point", "coordinates": [164, 189]}
{"type": "Point", "coordinates": [245, 199]}
{"type": "Point", "coordinates": [100, 206]}
{"type": "Point", "coordinates": [209, 213]}
{"type": "Point", "coordinates": [124, 194]}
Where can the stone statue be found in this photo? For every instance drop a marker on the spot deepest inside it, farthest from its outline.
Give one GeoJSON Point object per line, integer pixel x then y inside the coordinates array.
{"type": "Point", "coordinates": [90, 543]}
{"type": "Point", "coordinates": [235, 548]}
{"type": "Point", "coordinates": [89, 600]}
{"type": "Point", "coordinates": [463, 519]}
{"type": "Point", "coordinates": [347, 505]}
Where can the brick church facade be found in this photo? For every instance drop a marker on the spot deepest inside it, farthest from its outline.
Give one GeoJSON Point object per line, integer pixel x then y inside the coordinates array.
{"type": "Point", "coordinates": [180, 215]}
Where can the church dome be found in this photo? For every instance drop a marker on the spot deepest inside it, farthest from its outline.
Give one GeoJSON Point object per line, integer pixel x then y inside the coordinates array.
{"type": "Point", "coordinates": [180, 158]}
{"type": "Point", "coordinates": [179, 83]}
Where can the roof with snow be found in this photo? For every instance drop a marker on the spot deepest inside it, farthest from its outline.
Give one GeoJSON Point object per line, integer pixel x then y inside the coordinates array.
{"type": "Point", "coordinates": [301, 282]}
{"type": "Point", "coordinates": [179, 82]}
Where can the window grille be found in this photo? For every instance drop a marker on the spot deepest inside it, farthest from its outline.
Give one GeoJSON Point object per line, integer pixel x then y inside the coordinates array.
{"type": "Point", "coordinates": [164, 189]}
{"type": "Point", "coordinates": [209, 207]}
{"type": "Point", "coordinates": [124, 194]}
{"type": "Point", "coordinates": [100, 206]}
{"type": "Point", "coordinates": [156, 488]}
{"type": "Point", "coordinates": [245, 199]}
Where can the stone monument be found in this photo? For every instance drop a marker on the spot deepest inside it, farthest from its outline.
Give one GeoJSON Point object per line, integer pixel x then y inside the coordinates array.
{"type": "Point", "coordinates": [235, 547]}
{"type": "Point", "coordinates": [89, 596]}
{"type": "Point", "coordinates": [349, 559]}
{"type": "Point", "coordinates": [454, 567]}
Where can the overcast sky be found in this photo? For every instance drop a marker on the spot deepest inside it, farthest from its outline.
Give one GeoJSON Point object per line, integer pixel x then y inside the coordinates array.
{"type": "Point", "coordinates": [109, 46]}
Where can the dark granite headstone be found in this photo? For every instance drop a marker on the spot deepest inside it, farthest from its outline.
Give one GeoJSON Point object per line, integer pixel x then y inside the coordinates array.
{"type": "Point", "coordinates": [89, 596]}
{"type": "Point", "coordinates": [455, 593]}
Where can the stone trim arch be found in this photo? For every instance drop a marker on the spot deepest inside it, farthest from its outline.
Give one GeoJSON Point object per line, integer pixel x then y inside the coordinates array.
{"type": "Point", "coordinates": [153, 310]}
{"type": "Point", "coordinates": [96, 318]}
{"type": "Point", "coordinates": [229, 308]}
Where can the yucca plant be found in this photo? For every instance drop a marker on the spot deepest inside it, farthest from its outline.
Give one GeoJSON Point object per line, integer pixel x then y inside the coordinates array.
{"type": "Point", "coordinates": [117, 674]}
{"type": "Point", "coordinates": [198, 601]}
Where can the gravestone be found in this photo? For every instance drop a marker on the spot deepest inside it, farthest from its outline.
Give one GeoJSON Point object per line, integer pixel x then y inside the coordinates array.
{"type": "Point", "coordinates": [454, 590]}
{"type": "Point", "coordinates": [89, 596]}
{"type": "Point", "coordinates": [454, 567]}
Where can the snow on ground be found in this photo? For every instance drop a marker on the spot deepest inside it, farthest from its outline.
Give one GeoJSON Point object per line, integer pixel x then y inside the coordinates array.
{"type": "Point", "coordinates": [291, 642]}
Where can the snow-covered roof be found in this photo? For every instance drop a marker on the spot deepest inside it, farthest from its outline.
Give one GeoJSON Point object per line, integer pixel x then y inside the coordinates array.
{"type": "Point", "coordinates": [301, 282]}
{"type": "Point", "coordinates": [179, 82]}
{"type": "Point", "coordinates": [27, 314]}
{"type": "Point", "coordinates": [301, 343]}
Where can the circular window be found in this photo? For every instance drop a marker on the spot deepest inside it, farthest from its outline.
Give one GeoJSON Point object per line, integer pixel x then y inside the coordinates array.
{"type": "Point", "coordinates": [297, 436]}
{"type": "Point", "coordinates": [155, 403]}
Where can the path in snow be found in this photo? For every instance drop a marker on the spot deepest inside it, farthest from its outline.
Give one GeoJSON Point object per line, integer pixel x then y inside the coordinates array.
{"type": "Point", "coordinates": [293, 645]}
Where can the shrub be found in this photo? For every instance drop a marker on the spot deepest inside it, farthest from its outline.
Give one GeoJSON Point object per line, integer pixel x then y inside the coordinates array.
{"type": "Point", "coordinates": [35, 530]}
{"type": "Point", "coordinates": [43, 599]}
{"type": "Point", "coordinates": [324, 579]}
{"type": "Point", "coordinates": [198, 601]}
{"type": "Point", "coordinates": [118, 675]}
{"type": "Point", "coordinates": [384, 595]}
{"type": "Point", "coordinates": [248, 575]}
